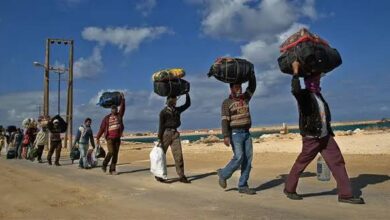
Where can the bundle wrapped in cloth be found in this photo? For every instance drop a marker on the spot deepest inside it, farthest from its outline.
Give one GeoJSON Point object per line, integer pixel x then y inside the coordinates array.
{"type": "Point", "coordinates": [62, 125]}
{"type": "Point", "coordinates": [29, 123]}
{"type": "Point", "coordinates": [168, 74]}
{"type": "Point", "coordinates": [312, 52]}
{"type": "Point", "coordinates": [169, 82]}
{"type": "Point", "coordinates": [108, 99]}
{"type": "Point", "coordinates": [231, 70]}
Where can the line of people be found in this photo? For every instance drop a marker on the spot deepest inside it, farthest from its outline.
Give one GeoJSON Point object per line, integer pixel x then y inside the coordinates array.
{"type": "Point", "coordinates": [314, 125]}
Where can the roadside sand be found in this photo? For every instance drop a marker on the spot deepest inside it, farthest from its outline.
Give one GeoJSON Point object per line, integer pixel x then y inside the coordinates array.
{"type": "Point", "coordinates": [36, 191]}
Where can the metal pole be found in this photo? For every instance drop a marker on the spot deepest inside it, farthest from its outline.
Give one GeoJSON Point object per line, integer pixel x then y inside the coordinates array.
{"type": "Point", "coordinates": [46, 80]}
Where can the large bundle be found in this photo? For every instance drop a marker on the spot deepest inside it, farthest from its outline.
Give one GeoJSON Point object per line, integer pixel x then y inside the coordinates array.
{"type": "Point", "coordinates": [313, 53]}
{"type": "Point", "coordinates": [168, 74]}
{"type": "Point", "coordinates": [108, 99]}
{"type": "Point", "coordinates": [175, 87]}
{"type": "Point", "coordinates": [29, 123]}
{"type": "Point", "coordinates": [62, 125]}
{"type": "Point", "coordinates": [231, 70]}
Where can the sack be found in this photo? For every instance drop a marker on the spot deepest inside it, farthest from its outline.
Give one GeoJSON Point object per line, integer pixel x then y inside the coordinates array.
{"type": "Point", "coordinates": [62, 125]}
{"type": "Point", "coordinates": [158, 162]}
{"type": "Point", "coordinates": [231, 70]}
{"type": "Point", "coordinates": [11, 154]}
{"type": "Point", "coordinates": [91, 159]}
{"type": "Point", "coordinates": [301, 36]}
{"type": "Point", "coordinates": [26, 140]}
{"type": "Point", "coordinates": [29, 123]}
{"type": "Point", "coordinates": [168, 74]}
{"type": "Point", "coordinates": [100, 152]}
{"type": "Point", "coordinates": [108, 99]}
{"type": "Point", "coordinates": [74, 154]}
{"type": "Point", "coordinates": [313, 53]}
{"type": "Point", "coordinates": [171, 88]}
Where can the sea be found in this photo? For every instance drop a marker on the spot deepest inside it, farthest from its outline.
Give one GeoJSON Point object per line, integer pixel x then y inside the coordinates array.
{"type": "Point", "coordinates": [257, 134]}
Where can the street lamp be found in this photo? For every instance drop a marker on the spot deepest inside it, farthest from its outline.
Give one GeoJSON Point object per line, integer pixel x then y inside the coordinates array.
{"type": "Point", "coordinates": [59, 71]}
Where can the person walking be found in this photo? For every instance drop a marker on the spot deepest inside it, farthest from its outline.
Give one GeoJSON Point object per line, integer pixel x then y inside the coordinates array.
{"type": "Point", "coordinates": [112, 127]}
{"type": "Point", "coordinates": [317, 137]}
{"type": "Point", "coordinates": [83, 137]}
{"type": "Point", "coordinates": [169, 136]}
{"type": "Point", "coordinates": [55, 142]}
{"type": "Point", "coordinates": [41, 140]}
{"type": "Point", "coordinates": [236, 122]}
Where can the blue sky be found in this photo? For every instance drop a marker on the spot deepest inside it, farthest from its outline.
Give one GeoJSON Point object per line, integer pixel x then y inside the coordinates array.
{"type": "Point", "coordinates": [119, 44]}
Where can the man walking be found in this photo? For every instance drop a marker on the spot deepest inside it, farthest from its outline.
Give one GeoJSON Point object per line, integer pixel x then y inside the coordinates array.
{"type": "Point", "coordinates": [112, 127]}
{"type": "Point", "coordinates": [83, 137]}
{"type": "Point", "coordinates": [169, 136]}
{"type": "Point", "coordinates": [317, 137]}
{"type": "Point", "coordinates": [55, 142]}
{"type": "Point", "coordinates": [236, 122]}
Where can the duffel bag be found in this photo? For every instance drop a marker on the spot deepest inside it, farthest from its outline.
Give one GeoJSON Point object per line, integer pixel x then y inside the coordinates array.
{"type": "Point", "coordinates": [62, 125]}
{"type": "Point", "coordinates": [108, 99]}
{"type": "Point", "coordinates": [317, 57]}
{"type": "Point", "coordinates": [231, 70]}
{"type": "Point", "coordinates": [74, 154]}
{"type": "Point", "coordinates": [171, 88]}
{"type": "Point", "coordinates": [11, 154]}
{"type": "Point", "coordinates": [168, 74]}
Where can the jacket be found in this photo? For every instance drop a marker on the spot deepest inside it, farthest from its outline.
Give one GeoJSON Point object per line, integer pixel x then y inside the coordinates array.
{"type": "Point", "coordinates": [309, 114]}
{"type": "Point", "coordinates": [105, 122]}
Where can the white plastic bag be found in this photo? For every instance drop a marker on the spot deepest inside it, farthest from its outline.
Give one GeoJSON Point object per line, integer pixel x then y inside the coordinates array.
{"type": "Point", "coordinates": [158, 162]}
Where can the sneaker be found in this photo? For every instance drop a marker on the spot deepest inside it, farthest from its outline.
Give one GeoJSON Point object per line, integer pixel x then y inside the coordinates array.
{"type": "Point", "coordinates": [104, 168]}
{"type": "Point", "coordinates": [292, 195]}
{"type": "Point", "coordinates": [184, 180]}
{"type": "Point", "coordinates": [352, 200]}
{"type": "Point", "coordinates": [113, 173]}
{"type": "Point", "coordinates": [221, 181]}
{"type": "Point", "coordinates": [246, 190]}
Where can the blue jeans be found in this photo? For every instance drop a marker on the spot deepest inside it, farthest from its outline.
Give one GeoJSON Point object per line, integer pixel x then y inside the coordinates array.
{"type": "Point", "coordinates": [241, 142]}
{"type": "Point", "coordinates": [83, 148]}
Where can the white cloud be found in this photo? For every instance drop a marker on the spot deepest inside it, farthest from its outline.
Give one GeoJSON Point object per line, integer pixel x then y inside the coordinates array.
{"type": "Point", "coordinates": [127, 39]}
{"type": "Point", "coordinates": [89, 67]}
{"type": "Point", "coordinates": [146, 6]}
{"type": "Point", "coordinates": [247, 20]}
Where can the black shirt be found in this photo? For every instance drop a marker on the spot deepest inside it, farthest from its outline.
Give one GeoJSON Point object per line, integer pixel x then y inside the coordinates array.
{"type": "Point", "coordinates": [170, 116]}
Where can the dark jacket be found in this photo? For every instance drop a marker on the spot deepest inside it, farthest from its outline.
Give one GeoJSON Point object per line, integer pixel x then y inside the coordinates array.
{"type": "Point", "coordinates": [105, 122]}
{"type": "Point", "coordinates": [170, 117]}
{"type": "Point", "coordinates": [309, 114]}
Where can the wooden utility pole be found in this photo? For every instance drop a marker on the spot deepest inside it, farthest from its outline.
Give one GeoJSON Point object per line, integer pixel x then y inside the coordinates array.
{"type": "Point", "coordinates": [69, 110]}
{"type": "Point", "coordinates": [46, 80]}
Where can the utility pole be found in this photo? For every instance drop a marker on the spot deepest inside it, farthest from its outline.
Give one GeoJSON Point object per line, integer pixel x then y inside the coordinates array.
{"type": "Point", "coordinates": [46, 80]}
{"type": "Point", "coordinates": [69, 110]}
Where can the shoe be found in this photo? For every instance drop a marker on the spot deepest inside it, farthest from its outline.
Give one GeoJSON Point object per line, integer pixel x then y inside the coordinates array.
{"type": "Point", "coordinates": [352, 200]}
{"type": "Point", "coordinates": [221, 181]}
{"type": "Point", "coordinates": [57, 164]}
{"type": "Point", "coordinates": [246, 190]}
{"type": "Point", "coordinates": [159, 179]}
{"type": "Point", "coordinates": [49, 162]}
{"type": "Point", "coordinates": [293, 195]}
{"type": "Point", "coordinates": [104, 168]}
{"type": "Point", "coordinates": [113, 173]}
{"type": "Point", "coordinates": [184, 180]}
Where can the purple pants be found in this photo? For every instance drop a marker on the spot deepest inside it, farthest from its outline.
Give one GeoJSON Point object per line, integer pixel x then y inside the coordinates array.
{"type": "Point", "coordinates": [330, 151]}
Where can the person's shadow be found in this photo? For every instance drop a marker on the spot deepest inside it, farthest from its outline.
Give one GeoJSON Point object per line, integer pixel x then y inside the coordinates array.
{"type": "Point", "coordinates": [279, 180]}
{"type": "Point", "coordinates": [139, 170]}
{"type": "Point", "coordinates": [358, 183]}
{"type": "Point", "coordinates": [193, 177]}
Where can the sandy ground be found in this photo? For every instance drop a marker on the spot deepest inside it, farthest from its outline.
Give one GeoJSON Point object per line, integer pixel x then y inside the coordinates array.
{"type": "Point", "coordinates": [37, 191]}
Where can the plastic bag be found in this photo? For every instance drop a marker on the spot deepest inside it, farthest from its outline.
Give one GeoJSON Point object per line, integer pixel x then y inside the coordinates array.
{"type": "Point", "coordinates": [158, 162]}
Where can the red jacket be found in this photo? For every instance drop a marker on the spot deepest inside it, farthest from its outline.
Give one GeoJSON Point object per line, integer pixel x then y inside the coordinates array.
{"type": "Point", "coordinates": [104, 124]}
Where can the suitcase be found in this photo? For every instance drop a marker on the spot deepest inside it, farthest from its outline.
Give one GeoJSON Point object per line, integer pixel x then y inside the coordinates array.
{"type": "Point", "coordinates": [231, 70]}
{"type": "Point", "coordinates": [175, 87]}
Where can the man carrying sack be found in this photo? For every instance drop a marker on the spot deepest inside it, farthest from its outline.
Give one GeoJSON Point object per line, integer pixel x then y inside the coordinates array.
{"type": "Point", "coordinates": [236, 122]}
{"type": "Point", "coordinates": [317, 137]}
{"type": "Point", "coordinates": [112, 127]}
{"type": "Point", "coordinates": [169, 136]}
